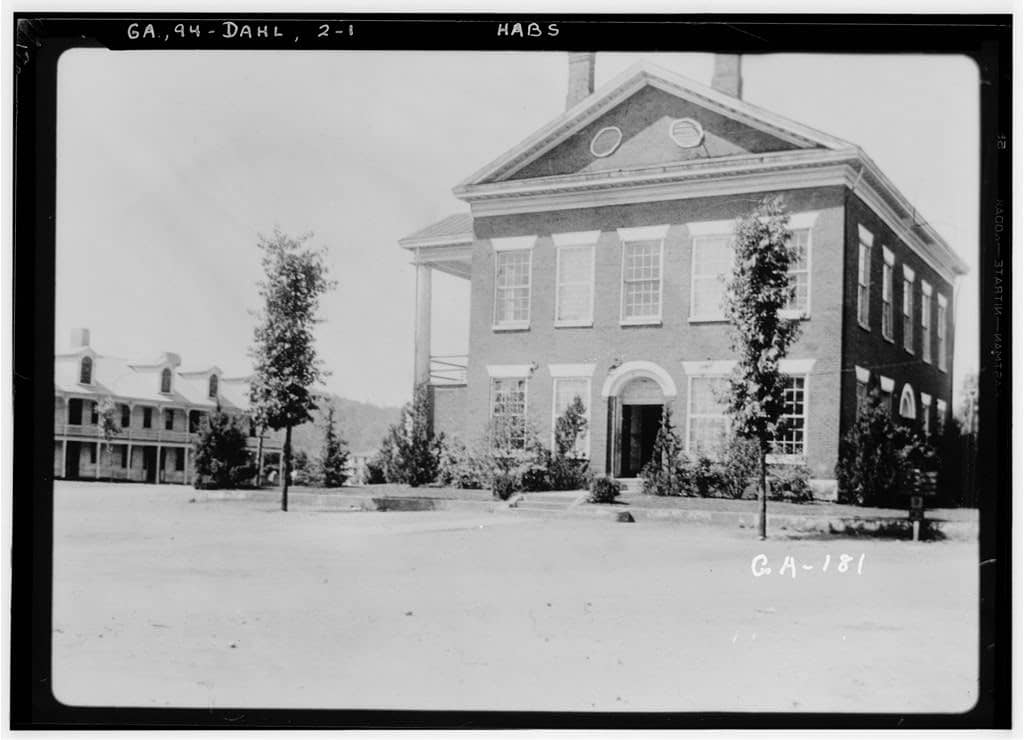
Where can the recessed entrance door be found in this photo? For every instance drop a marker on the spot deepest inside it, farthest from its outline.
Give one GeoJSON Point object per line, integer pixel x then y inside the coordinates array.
{"type": "Point", "coordinates": [639, 430]}
{"type": "Point", "coordinates": [637, 413]}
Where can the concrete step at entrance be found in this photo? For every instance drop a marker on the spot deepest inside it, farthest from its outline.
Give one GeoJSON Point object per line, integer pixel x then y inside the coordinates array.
{"type": "Point", "coordinates": [631, 485]}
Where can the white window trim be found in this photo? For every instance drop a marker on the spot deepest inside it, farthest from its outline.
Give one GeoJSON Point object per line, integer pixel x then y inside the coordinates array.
{"type": "Point", "coordinates": [889, 260]}
{"type": "Point", "coordinates": [864, 255]}
{"type": "Point", "coordinates": [908, 289]}
{"type": "Point", "coordinates": [576, 238]}
{"type": "Point", "coordinates": [642, 233]}
{"type": "Point", "coordinates": [926, 331]}
{"type": "Point", "coordinates": [697, 231]}
{"type": "Point", "coordinates": [513, 243]}
{"type": "Point", "coordinates": [863, 374]}
{"type": "Point", "coordinates": [526, 395]}
{"type": "Point", "coordinates": [886, 384]}
{"type": "Point", "coordinates": [610, 151]}
{"type": "Point", "coordinates": [592, 245]}
{"type": "Point", "coordinates": [865, 236]}
{"type": "Point", "coordinates": [572, 370]}
{"type": "Point", "coordinates": [907, 395]}
{"type": "Point", "coordinates": [941, 331]}
{"type": "Point", "coordinates": [940, 414]}
{"type": "Point", "coordinates": [519, 324]}
{"type": "Point", "coordinates": [509, 371]}
{"type": "Point", "coordinates": [797, 459]}
{"type": "Point", "coordinates": [689, 394]}
{"type": "Point", "coordinates": [793, 226]}
{"type": "Point", "coordinates": [586, 400]}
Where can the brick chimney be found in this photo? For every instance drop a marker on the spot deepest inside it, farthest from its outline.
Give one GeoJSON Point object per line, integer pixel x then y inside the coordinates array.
{"type": "Point", "coordinates": [581, 77]}
{"type": "Point", "coordinates": [79, 338]}
{"type": "Point", "coordinates": [727, 78]}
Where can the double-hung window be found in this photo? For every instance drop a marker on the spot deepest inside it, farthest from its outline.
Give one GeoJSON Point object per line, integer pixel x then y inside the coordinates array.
{"type": "Point", "coordinates": [508, 412]}
{"type": "Point", "coordinates": [565, 392]}
{"type": "Point", "coordinates": [642, 251]}
{"type": "Point", "coordinates": [887, 271]}
{"type": "Point", "coordinates": [710, 266]}
{"type": "Point", "coordinates": [926, 414]}
{"type": "Point", "coordinates": [800, 274]}
{"type": "Point", "coordinates": [574, 291]}
{"type": "Point", "coordinates": [940, 420]}
{"type": "Point", "coordinates": [926, 321]}
{"type": "Point", "coordinates": [908, 309]}
{"type": "Point", "coordinates": [707, 422]}
{"type": "Point", "coordinates": [513, 259]}
{"type": "Point", "coordinates": [940, 328]}
{"type": "Point", "coordinates": [793, 424]}
{"type": "Point", "coordinates": [867, 239]}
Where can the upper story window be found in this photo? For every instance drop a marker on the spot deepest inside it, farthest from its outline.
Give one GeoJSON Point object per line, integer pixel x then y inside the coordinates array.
{"type": "Point", "coordinates": [574, 284]}
{"type": "Point", "coordinates": [85, 371]}
{"type": "Point", "coordinates": [908, 405]}
{"type": "Point", "coordinates": [712, 260]}
{"type": "Point", "coordinates": [707, 421]}
{"type": "Point", "coordinates": [94, 412]}
{"type": "Point", "coordinates": [642, 250]}
{"type": "Point", "coordinates": [512, 263]}
{"type": "Point", "coordinates": [940, 416]}
{"type": "Point", "coordinates": [926, 414]}
{"type": "Point", "coordinates": [74, 411]}
{"type": "Point", "coordinates": [867, 239]}
{"type": "Point", "coordinates": [147, 417]}
{"type": "Point", "coordinates": [888, 263]}
{"type": "Point", "coordinates": [212, 390]}
{"type": "Point", "coordinates": [126, 416]}
{"type": "Point", "coordinates": [908, 309]}
{"type": "Point", "coordinates": [800, 273]}
{"type": "Point", "coordinates": [165, 380]}
{"type": "Point", "coordinates": [940, 327]}
{"type": "Point", "coordinates": [508, 412]}
{"type": "Point", "coordinates": [926, 321]}
{"type": "Point", "coordinates": [168, 419]}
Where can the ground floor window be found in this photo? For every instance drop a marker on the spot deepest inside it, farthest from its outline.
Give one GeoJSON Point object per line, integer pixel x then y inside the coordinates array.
{"type": "Point", "coordinates": [708, 423]}
{"type": "Point", "coordinates": [179, 460]}
{"type": "Point", "coordinates": [793, 425]}
{"type": "Point", "coordinates": [565, 391]}
{"type": "Point", "coordinates": [92, 454]}
{"type": "Point", "coordinates": [124, 456]}
{"type": "Point", "coordinates": [508, 412]}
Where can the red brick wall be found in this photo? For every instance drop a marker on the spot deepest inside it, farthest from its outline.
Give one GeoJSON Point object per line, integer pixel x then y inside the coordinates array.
{"type": "Point", "coordinates": [677, 340]}
{"type": "Point", "coordinates": [450, 410]}
{"type": "Point", "coordinates": [868, 348]}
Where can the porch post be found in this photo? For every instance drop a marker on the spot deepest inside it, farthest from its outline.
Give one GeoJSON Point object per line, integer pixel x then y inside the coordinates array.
{"type": "Point", "coordinates": [64, 458]}
{"type": "Point", "coordinates": [421, 359]}
{"type": "Point", "coordinates": [128, 473]}
{"type": "Point", "coordinates": [99, 459]}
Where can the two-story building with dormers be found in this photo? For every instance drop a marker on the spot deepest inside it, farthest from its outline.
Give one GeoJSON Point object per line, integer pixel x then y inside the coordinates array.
{"type": "Point", "coordinates": [160, 408]}
{"type": "Point", "coordinates": [597, 250]}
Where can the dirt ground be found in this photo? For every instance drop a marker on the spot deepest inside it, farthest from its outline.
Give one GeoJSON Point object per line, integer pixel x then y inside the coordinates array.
{"type": "Point", "coordinates": [162, 602]}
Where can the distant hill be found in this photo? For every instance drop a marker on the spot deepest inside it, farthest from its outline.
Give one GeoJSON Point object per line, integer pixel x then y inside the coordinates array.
{"type": "Point", "coordinates": [361, 425]}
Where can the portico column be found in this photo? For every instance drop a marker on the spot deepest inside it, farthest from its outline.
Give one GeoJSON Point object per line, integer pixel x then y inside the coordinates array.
{"type": "Point", "coordinates": [421, 359]}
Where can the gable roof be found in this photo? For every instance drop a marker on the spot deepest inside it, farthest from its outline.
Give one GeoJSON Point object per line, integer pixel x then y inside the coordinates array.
{"type": "Point", "coordinates": [628, 84]}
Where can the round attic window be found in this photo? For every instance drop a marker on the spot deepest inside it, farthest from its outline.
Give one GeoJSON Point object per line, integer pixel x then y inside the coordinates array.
{"type": "Point", "coordinates": [686, 132]}
{"type": "Point", "coordinates": [606, 141]}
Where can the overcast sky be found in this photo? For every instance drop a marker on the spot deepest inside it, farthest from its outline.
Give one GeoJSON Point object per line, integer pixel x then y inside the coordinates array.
{"type": "Point", "coordinates": [170, 164]}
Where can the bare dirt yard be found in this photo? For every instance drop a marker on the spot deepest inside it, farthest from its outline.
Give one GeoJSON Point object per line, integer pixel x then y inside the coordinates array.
{"type": "Point", "coordinates": [163, 602]}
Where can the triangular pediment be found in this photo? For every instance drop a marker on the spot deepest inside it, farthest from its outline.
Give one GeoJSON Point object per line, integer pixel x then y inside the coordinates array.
{"type": "Point", "coordinates": [628, 124]}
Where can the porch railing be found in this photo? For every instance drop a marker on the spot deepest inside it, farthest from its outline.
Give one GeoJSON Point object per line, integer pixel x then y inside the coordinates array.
{"type": "Point", "coordinates": [448, 369]}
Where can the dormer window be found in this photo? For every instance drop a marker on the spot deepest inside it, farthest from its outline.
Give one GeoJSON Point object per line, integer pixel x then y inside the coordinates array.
{"type": "Point", "coordinates": [85, 371]}
{"type": "Point", "coordinates": [165, 380]}
{"type": "Point", "coordinates": [212, 393]}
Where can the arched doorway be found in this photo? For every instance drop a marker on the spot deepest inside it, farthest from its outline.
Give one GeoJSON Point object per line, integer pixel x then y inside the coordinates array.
{"type": "Point", "coordinates": [637, 393]}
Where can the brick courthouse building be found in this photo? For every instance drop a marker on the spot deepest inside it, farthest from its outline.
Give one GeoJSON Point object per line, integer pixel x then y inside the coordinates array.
{"type": "Point", "coordinates": [596, 250]}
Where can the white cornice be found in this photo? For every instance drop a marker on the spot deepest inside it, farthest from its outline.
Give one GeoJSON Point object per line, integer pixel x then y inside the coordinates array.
{"type": "Point", "coordinates": [437, 241]}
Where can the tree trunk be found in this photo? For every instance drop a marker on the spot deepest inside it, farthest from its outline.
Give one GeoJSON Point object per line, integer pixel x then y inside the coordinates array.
{"type": "Point", "coordinates": [762, 497]}
{"type": "Point", "coordinates": [259, 459]}
{"type": "Point", "coordinates": [286, 467]}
